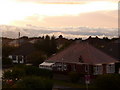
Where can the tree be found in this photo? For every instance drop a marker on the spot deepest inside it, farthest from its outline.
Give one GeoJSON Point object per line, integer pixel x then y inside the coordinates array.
{"type": "Point", "coordinates": [60, 36]}
{"type": "Point", "coordinates": [53, 45]}
{"type": "Point", "coordinates": [24, 37]}
{"type": "Point", "coordinates": [36, 58]}
{"type": "Point", "coordinates": [47, 45]}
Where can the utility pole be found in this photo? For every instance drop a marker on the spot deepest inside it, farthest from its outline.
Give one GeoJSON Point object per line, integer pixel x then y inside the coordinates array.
{"type": "Point", "coordinates": [18, 45]}
{"type": "Point", "coordinates": [19, 39]}
{"type": "Point", "coordinates": [62, 64]}
{"type": "Point", "coordinates": [87, 77]}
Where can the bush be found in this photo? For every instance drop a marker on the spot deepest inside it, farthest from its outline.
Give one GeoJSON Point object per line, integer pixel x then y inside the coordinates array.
{"type": "Point", "coordinates": [13, 74]}
{"type": "Point", "coordinates": [34, 82]}
{"type": "Point", "coordinates": [36, 58]}
{"type": "Point", "coordinates": [107, 82]}
{"type": "Point", "coordinates": [74, 76]}
{"type": "Point", "coordinates": [6, 61]}
{"type": "Point", "coordinates": [31, 70]}
{"type": "Point", "coordinates": [7, 75]}
{"type": "Point", "coordinates": [18, 72]}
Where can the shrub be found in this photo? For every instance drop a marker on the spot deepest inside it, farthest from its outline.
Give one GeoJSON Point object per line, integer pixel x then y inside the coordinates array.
{"type": "Point", "coordinates": [18, 72]}
{"type": "Point", "coordinates": [13, 74]}
{"type": "Point", "coordinates": [6, 61]}
{"type": "Point", "coordinates": [34, 82]}
{"type": "Point", "coordinates": [74, 76]}
{"type": "Point", "coordinates": [107, 82]}
{"type": "Point", "coordinates": [31, 70]}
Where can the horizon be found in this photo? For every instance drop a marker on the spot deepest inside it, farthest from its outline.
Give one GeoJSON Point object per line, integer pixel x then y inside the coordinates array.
{"type": "Point", "coordinates": [63, 37]}
{"type": "Point", "coordinates": [73, 18]}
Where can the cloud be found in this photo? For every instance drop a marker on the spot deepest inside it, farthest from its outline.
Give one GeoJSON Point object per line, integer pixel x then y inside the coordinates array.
{"type": "Point", "coordinates": [69, 32]}
{"type": "Point", "coordinates": [91, 19]}
{"type": "Point", "coordinates": [59, 1]}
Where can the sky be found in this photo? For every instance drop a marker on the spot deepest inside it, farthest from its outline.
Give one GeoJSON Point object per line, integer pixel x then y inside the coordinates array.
{"type": "Point", "coordinates": [57, 14]}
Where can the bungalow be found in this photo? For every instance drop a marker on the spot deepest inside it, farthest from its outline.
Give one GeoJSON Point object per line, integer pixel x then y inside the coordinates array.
{"type": "Point", "coordinates": [82, 57]}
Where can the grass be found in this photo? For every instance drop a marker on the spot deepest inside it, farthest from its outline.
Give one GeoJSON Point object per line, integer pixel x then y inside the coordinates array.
{"type": "Point", "coordinates": [69, 84]}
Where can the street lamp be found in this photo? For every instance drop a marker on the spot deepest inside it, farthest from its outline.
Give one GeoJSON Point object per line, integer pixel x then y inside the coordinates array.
{"type": "Point", "coordinates": [62, 64]}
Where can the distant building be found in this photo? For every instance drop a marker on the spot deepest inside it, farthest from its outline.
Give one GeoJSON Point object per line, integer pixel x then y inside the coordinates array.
{"type": "Point", "coordinates": [18, 42]}
{"type": "Point", "coordinates": [14, 43]}
{"type": "Point", "coordinates": [6, 41]}
{"type": "Point", "coordinates": [83, 58]}
{"type": "Point", "coordinates": [21, 53]}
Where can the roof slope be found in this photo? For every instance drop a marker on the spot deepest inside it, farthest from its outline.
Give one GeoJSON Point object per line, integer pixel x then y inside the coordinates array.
{"type": "Point", "coordinates": [25, 49]}
{"type": "Point", "coordinates": [88, 53]}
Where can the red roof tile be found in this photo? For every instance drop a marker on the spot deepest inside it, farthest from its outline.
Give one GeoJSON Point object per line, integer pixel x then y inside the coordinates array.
{"type": "Point", "coordinates": [88, 53]}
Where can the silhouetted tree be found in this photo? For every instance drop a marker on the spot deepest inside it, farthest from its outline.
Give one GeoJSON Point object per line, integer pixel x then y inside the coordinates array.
{"type": "Point", "coordinates": [36, 58]}
{"type": "Point", "coordinates": [60, 36]}
{"type": "Point", "coordinates": [24, 37]}
{"type": "Point", "coordinates": [47, 45]}
{"type": "Point", "coordinates": [53, 45]}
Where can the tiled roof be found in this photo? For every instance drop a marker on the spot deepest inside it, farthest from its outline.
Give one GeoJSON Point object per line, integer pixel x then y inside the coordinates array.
{"type": "Point", "coordinates": [25, 49]}
{"type": "Point", "coordinates": [88, 53]}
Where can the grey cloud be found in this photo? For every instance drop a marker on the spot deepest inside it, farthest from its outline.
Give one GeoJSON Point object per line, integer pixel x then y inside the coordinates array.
{"type": "Point", "coordinates": [75, 31]}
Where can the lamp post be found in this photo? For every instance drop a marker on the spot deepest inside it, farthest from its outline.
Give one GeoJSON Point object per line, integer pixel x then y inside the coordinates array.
{"type": "Point", "coordinates": [87, 77]}
{"type": "Point", "coordinates": [62, 64]}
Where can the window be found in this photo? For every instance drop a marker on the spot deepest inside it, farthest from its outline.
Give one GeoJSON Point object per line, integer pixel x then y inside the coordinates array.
{"type": "Point", "coordinates": [61, 66]}
{"type": "Point", "coordinates": [98, 69]}
{"type": "Point", "coordinates": [110, 68]}
{"type": "Point", "coordinates": [65, 67]}
{"type": "Point", "coordinates": [20, 58]}
{"type": "Point", "coordinates": [86, 68]}
{"type": "Point", "coordinates": [14, 57]}
{"type": "Point", "coordinates": [74, 67]}
{"type": "Point", "coordinates": [10, 56]}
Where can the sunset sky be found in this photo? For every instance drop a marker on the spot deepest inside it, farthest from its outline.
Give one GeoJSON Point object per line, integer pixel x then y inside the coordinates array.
{"type": "Point", "coordinates": [60, 13]}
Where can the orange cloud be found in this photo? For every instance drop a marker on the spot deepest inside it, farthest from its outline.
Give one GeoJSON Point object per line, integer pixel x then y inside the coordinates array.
{"type": "Point", "coordinates": [92, 19]}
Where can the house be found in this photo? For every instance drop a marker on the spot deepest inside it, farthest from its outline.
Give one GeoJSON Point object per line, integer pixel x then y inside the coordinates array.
{"type": "Point", "coordinates": [82, 57]}
{"type": "Point", "coordinates": [18, 42]}
{"type": "Point", "coordinates": [6, 41]}
{"type": "Point", "coordinates": [21, 53]}
{"type": "Point", "coordinates": [34, 40]}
